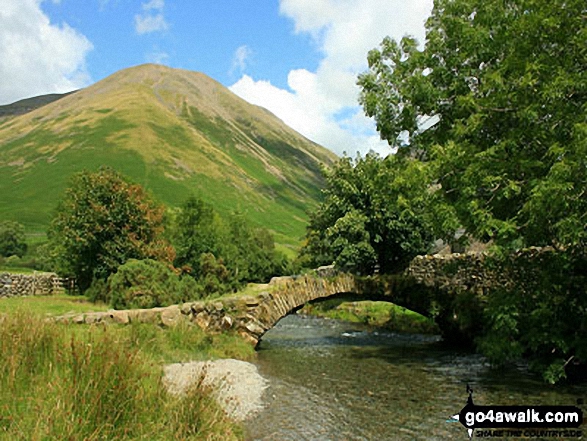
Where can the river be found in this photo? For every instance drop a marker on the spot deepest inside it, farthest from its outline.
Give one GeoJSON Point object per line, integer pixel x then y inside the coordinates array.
{"type": "Point", "coordinates": [333, 380]}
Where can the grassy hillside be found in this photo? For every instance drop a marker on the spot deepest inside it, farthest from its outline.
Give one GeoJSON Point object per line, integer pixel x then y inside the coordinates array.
{"type": "Point", "coordinates": [175, 132]}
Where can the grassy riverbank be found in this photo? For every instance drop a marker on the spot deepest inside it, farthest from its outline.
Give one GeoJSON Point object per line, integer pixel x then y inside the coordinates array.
{"type": "Point", "coordinates": [105, 382]}
{"type": "Point", "coordinates": [380, 314]}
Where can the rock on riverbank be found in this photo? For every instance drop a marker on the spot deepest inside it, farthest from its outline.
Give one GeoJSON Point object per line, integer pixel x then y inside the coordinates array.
{"type": "Point", "coordinates": [238, 386]}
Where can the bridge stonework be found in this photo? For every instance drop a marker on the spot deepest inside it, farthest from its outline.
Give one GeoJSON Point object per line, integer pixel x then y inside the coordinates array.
{"type": "Point", "coordinates": [248, 315]}
{"type": "Point", "coordinates": [451, 289]}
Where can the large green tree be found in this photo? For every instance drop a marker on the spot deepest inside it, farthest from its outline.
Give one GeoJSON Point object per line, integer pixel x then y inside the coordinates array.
{"type": "Point", "coordinates": [224, 252]}
{"type": "Point", "coordinates": [497, 97]}
{"type": "Point", "coordinates": [376, 213]}
{"type": "Point", "coordinates": [102, 222]}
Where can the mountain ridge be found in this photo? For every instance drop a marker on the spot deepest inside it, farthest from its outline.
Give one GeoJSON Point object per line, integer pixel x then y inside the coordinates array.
{"type": "Point", "coordinates": [174, 131]}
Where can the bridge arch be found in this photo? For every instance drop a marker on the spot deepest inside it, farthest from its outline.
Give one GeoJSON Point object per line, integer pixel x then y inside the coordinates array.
{"type": "Point", "coordinates": [288, 294]}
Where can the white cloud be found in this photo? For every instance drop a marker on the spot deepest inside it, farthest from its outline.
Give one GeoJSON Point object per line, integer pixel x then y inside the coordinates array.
{"type": "Point", "coordinates": [151, 19]}
{"type": "Point", "coordinates": [157, 57]}
{"type": "Point", "coordinates": [345, 31]}
{"type": "Point", "coordinates": [241, 58]}
{"type": "Point", "coordinates": [36, 56]}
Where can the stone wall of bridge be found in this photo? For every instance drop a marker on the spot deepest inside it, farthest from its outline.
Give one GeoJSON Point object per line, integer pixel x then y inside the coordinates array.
{"type": "Point", "coordinates": [451, 289]}
{"type": "Point", "coordinates": [248, 315]}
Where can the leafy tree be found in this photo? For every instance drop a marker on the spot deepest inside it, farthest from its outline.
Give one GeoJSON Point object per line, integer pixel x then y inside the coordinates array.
{"type": "Point", "coordinates": [12, 239]}
{"type": "Point", "coordinates": [215, 278]}
{"type": "Point", "coordinates": [376, 212]}
{"type": "Point", "coordinates": [102, 222]}
{"type": "Point", "coordinates": [223, 253]}
{"type": "Point", "coordinates": [497, 98]}
{"type": "Point", "coordinates": [250, 252]}
{"type": "Point", "coordinates": [496, 104]}
{"type": "Point", "coordinates": [198, 230]}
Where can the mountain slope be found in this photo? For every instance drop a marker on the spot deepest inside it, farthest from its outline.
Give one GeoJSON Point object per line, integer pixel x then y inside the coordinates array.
{"type": "Point", "coordinates": [29, 104]}
{"type": "Point", "coordinates": [175, 132]}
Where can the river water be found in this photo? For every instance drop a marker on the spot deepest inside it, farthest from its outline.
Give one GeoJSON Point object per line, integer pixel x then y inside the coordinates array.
{"type": "Point", "coordinates": [333, 380]}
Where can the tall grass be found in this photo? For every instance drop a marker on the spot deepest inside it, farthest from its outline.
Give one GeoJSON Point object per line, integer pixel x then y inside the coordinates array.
{"type": "Point", "coordinates": [79, 383]}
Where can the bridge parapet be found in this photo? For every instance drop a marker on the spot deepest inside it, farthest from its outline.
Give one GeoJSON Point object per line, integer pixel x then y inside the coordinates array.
{"type": "Point", "coordinates": [249, 315]}
{"type": "Point", "coordinates": [452, 289]}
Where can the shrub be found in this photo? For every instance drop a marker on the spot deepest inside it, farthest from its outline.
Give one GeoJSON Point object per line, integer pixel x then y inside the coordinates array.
{"type": "Point", "coordinates": [146, 284]}
{"type": "Point", "coordinates": [12, 239]}
{"type": "Point", "coordinates": [143, 284]}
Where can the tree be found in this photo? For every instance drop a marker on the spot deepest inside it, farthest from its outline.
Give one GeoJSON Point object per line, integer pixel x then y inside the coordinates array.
{"type": "Point", "coordinates": [12, 239]}
{"type": "Point", "coordinates": [497, 98]}
{"type": "Point", "coordinates": [376, 212]}
{"type": "Point", "coordinates": [198, 230]}
{"type": "Point", "coordinates": [227, 251]}
{"type": "Point", "coordinates": [102, 222]}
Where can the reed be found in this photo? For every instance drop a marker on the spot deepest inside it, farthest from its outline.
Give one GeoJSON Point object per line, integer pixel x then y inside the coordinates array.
{"type": "Point", "coordinates": [81, 383]}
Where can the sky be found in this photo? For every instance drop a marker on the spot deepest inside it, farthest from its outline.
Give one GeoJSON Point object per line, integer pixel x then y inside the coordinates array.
{"type": "Point", "coordinates": [298, 58]}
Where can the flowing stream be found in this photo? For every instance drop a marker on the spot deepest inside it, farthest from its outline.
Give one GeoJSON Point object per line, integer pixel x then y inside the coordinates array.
{"type": "Point", "coordinates": [333, 380]}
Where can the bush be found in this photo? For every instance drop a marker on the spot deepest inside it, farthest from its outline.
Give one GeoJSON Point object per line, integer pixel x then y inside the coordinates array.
{"type": "Point", "coordinates": [143, 284]}
{"type": "Point", "coordinates": [12, 239]}
{"type": "Point", "coordinates": [542, 316]}
{"type": "Point", "coordinates": [13, 261]}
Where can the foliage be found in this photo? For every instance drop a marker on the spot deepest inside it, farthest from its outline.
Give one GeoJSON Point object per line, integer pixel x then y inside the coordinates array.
{"type": "Point", "coordinates": [102, 222]}
{"type": "Point", "coordinates": [542, 315]}
{"type": "Point", "coordinates": [59, 382]}
{"type": "Point", "coordinates": [497, 98]}
{"type": "Point", "coordinates": [198, 230]}
{"type": "Point", "coordinates": [12, 239]}
{"type": "Point", "coordinates": [376, 212]}
{"type": "Point", "coordinates": [223, 253]}
{"type": "Point", "coordinates": [214, 277]}
{"type": "Point", "coordinates": [145, 284]}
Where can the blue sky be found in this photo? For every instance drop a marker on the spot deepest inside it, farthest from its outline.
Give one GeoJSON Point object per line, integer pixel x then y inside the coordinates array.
{"type": "Point", "coordinates": [298, 58]}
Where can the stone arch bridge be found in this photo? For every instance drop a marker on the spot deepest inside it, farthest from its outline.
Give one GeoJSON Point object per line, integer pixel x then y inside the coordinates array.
{"type": "Point", "coordinates": [451, 289]}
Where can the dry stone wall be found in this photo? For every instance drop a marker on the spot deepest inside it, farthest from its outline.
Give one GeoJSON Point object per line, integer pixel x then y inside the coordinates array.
{"type": "Point", "coordinates": [472, 271]}
{"type": "Point", "coordinates": [248, 315]}
{"type": "Point", "coordinates": [13, 285]}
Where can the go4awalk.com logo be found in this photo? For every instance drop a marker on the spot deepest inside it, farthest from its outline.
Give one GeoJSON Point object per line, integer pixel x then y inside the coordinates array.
{"type": "Point", "coordinates": [519, 421]}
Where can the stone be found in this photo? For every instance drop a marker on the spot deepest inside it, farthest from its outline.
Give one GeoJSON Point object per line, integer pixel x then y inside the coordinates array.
{"type": "Point", "coordinates": [226, 322]}
{"type": "Point", "coordinates": [251, 302]}
{"type": "Point", "coordinates": [149, 316]}
{"type": "Point", "coordinates": [120, 317]}
{"type": "Point", "coordinates": [218, 306]}
{"type": "Point", "coordinates": [93, 317]}
{"type": "Point", "coordinates": [198, 307]}
{"type": "Point", "coordinates": [78, 319]}
{"type": "Point", "coordinates": [186, 308]}
{"type": "Point", "coordinates": [255, 328]}
{"type": "Point", "coordinates": [203, 320]}
{"type": "Point", "coordinates": [171, 316]}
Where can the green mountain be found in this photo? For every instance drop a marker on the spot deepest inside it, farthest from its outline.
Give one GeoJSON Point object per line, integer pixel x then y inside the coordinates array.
{"type": "Point", "coordinates": [173, 131]}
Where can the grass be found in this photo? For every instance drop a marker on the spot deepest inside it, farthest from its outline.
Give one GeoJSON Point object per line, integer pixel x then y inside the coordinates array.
{"type": "Point", "coordinates": [104, 382]}
{"type": "Point", "coordinates": [381, 314]}
{"type": "Point", "coordinates": [58, 304]}
{"type": "Point", "coordinates": [165, 345]}
{"type": "Point", "coordinates": [232, 164]}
